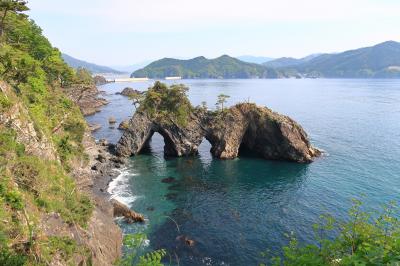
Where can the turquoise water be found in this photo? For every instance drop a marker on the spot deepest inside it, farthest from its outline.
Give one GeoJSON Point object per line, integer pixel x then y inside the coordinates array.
{"type": "Point", "coordinates": [235, 209]}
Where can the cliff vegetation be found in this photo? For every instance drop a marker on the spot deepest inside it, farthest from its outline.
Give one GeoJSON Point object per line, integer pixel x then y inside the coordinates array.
{"type": "Point", "coordinates": [41, 133]}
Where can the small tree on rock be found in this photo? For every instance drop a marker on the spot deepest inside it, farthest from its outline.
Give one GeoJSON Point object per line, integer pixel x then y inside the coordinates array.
{"type": "Point", "coordinates": [221, 100]}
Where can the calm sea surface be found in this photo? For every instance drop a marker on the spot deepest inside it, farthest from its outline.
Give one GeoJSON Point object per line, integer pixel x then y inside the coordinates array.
{"type": "Point", "coordinates": [235, 209]}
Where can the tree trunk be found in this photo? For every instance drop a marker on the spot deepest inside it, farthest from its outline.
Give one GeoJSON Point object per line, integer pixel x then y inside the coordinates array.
{"type": "Point", "coordinates": [2, 23]}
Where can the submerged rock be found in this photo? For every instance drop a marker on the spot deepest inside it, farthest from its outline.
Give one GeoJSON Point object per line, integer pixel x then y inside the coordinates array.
{"type": "Point", "coordinates": [258, 129]}
{"type": "Point", "coordinates": [186, 240]}
{"type": "Point", "coordinates": [169, 179]}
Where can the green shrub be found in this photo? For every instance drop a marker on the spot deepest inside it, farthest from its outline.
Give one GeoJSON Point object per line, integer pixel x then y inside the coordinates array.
{"type": "Point", "coordinates": [64, 246]}
{"type": "Point", "coordinates": [8, 258]}
{"type": "Point", "coordinates": [83, 76]}
{"type": "Point", "coordinates": [76, 129]}
{"type": "Point", "coordinates": [133, 243]}
{"type": "Point", "coordinates": [5, 103]}
{"type": "Point", "coordinates": [9, 145]}
{"type": "Point", "coordinates": [14, 199]}
{"type": "Point", "coordinates": [366, 238]}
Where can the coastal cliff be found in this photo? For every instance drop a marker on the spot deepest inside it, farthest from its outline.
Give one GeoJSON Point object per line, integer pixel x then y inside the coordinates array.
{"type": "Point", "coordinates": [29, 172]}
{"type": "Point", "coordinates": [244, 126]}
{"type": "Point", "coordinates": [51, 209]}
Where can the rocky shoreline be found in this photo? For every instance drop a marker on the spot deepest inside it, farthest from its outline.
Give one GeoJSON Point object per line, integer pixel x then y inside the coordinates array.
{"type": "Point", "coordinates": [86, 97]}
{"type": "Point", "coordinates": [94, 178]}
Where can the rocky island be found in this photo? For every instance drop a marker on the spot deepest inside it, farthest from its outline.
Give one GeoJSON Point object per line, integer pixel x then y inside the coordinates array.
{"type": "Point", "coordinates": [258, 129]}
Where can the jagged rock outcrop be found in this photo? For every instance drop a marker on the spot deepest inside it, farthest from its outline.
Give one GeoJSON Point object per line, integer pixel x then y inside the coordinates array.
{"type": "Point", "coordinates": [86, 97]}
{"type": "Point", "coordinates": [121, 210]}
{"type": "Point", "coordinates": [258, 129]}
{"type": "Point", "coordinates": [129, 92]}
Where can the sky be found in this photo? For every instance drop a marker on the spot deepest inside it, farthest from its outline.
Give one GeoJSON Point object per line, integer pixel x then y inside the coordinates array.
{"type": "Point", "coordinates": [126, 32]}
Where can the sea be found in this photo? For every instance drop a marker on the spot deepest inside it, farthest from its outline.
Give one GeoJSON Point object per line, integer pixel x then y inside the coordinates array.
{"type": "Point", "coordinates": [236, 211]}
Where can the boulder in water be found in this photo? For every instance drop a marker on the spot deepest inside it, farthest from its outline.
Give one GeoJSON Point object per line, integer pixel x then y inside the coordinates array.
{"type": "Point", "coordinates": [121, 210]}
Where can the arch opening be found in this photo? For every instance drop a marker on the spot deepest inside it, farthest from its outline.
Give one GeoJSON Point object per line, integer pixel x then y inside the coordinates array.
{"type": "Point", "coordinates": [204, 149]}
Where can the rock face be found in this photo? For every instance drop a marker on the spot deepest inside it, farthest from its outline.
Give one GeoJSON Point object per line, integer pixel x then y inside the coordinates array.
{"type": "Point", "coordinates": [102, 236]}
{"type": "Point", "coordinates": [86, 97]}
{"type": "Point", "coordinates": [258, 129]}
{"type": "Point", "coordinates": [99, 80]}
{"type": "Point", "coordinates": [36, 143]}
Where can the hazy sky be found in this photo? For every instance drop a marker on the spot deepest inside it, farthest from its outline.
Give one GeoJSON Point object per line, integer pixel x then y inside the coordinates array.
{"type": "Point", "coordinates": [123, 32]}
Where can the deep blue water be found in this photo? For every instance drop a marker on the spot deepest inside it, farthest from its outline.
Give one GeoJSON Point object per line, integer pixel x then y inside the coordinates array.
{"type": "Point", "coordinates": [234, 209]}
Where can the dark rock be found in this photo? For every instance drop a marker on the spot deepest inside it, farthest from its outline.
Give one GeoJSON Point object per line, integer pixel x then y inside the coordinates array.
{"type": "Point", "coordinates": [101, 158]}
{"type": "Point", "coordinates": [103, 142]}
{"type": "Point", "coordinates": [151, 208]}
{"type": "Point", "coordinates": [129, 92]}
{"type": "Point", "coordinates": [189, 242]}
{"type": "Point", "coordinates": [120, 160]}
{"type": "Point", "coordinates": [112, 120]}
{"type": "Point", "coordinates": [167, 180]}
{"type": "Point", "coordinates": [258, 129]}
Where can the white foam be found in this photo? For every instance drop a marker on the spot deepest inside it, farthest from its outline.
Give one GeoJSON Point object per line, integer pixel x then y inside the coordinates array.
{"type": "Point", "coordinates": [119, 188]}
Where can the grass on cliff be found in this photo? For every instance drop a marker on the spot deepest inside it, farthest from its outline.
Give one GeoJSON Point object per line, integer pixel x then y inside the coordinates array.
{"type": "Point", "coordinates": [32, 187]}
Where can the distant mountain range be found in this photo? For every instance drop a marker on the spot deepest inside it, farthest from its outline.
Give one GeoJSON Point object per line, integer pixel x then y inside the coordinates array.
{"type": "Point", "coordinates": [379, 61]}
{"type": "Point", "coordinates": [201, 67]}
{"type": "Point", "coordinates": [254, 59]}
{"type": "Point", "coordinates": [95, 69]}
{"type": "Point", "coordinates": [288, 61]}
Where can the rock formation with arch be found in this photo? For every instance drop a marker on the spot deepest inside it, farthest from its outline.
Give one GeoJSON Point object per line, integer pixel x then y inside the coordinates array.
{"type": "Point", "coordinates": [266, 133]}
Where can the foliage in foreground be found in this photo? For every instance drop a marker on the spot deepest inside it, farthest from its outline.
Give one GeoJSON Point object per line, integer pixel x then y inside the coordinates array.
{"type": "Point", "coordinates": [366, 238]}
{"type": "Point", "coordinates": [133, 244]}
